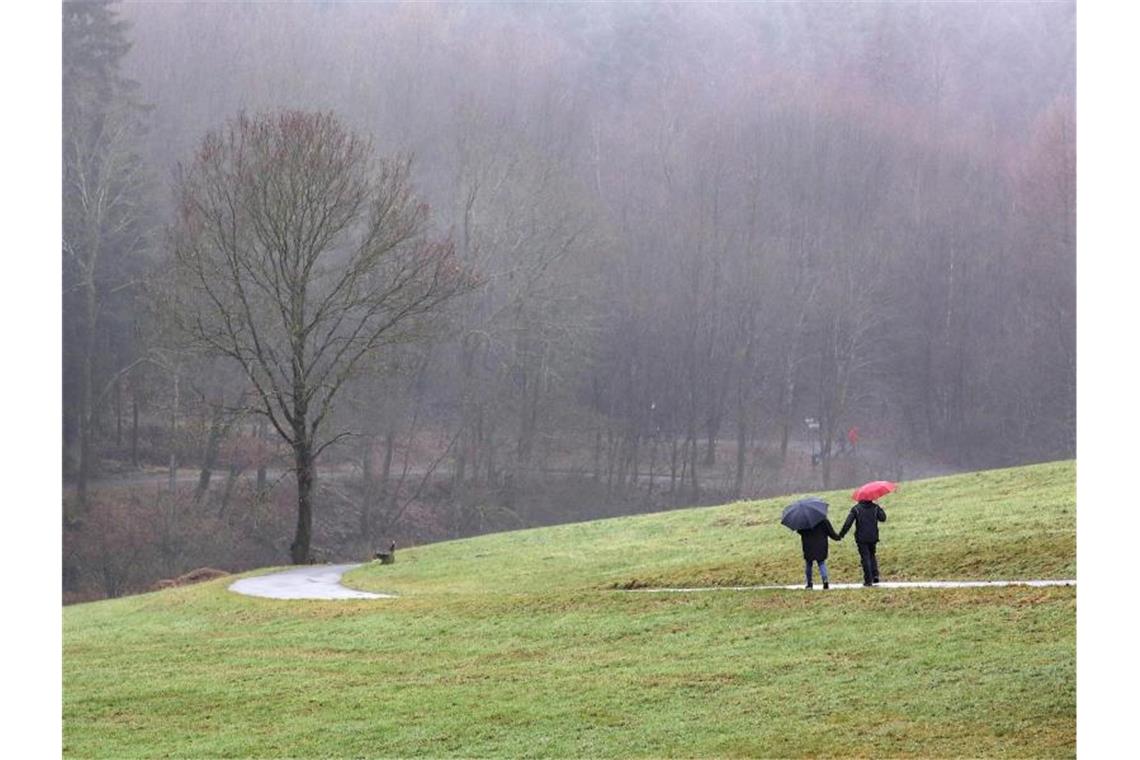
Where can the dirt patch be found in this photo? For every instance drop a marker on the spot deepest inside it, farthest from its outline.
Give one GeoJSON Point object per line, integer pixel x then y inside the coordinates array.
{"type": "Point", "coordinates": [194, 576]}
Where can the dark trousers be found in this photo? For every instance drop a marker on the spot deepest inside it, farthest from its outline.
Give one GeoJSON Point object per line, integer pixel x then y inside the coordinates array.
{"type": "Point", "coordinates": [868, 561]}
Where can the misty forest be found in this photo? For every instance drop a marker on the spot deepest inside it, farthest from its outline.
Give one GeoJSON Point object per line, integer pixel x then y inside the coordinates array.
{"type": "Point", "coordinates": [337, 275]}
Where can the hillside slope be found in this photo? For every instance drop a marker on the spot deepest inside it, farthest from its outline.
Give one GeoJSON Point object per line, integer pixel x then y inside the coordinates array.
{"type": "Point", "coordinates": [518, 644]}
{"type": "Point", "coordinates": [999, 524]}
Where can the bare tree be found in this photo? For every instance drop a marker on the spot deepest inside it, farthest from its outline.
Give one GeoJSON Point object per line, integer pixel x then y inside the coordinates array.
{"type": "Point", "coordinates": [104, 216]}
{"type": "Point", "coordinates": [297, 255]}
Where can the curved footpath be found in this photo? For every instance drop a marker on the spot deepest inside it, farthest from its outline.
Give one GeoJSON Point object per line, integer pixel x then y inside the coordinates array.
{"type": "Point", "coordinates": [305, 582]}
{"type": "Point", "coordinates": [323, 582]}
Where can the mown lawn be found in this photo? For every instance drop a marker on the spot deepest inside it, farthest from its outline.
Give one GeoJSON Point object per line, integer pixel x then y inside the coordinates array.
{"type": "Point", "coordinates": [517, 645]}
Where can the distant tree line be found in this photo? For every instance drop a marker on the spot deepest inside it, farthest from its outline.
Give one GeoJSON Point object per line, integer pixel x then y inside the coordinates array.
{"type": "Point", "coordinates": [674, 232]}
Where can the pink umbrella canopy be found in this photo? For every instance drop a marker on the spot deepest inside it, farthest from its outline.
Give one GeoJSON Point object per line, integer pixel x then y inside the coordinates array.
{"type": "Point", "coordinates": [873, 490]}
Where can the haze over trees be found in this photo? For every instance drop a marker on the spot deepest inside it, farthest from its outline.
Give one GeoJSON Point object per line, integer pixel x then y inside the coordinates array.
{"type": "Point", "coordinates": [104, 222]}
{"type": "Point", "coordinates": [678, 231]}
{"type": "Point", "coordinates": [295, 258]}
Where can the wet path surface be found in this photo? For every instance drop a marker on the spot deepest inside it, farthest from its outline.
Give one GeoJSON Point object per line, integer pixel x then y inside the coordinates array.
{"type": "Point", "coordinates": [884, 584]}
{"type": "Point", "coordinates": [323, 582]}
{"type": "Point", "coordinates": [306, 582]}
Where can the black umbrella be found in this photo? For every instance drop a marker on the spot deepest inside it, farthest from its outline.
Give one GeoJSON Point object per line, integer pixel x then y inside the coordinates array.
{"type": "Point", "coordinates": [805, 513]}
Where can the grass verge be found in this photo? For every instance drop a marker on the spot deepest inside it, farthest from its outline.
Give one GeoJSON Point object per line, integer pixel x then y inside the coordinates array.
{"type": "Point", "coordinates": [514, 644]}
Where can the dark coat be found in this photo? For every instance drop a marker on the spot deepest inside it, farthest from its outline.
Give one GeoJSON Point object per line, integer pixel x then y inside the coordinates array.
{"type": "Point", "coordinates": [866, 515]}
{"type": "Point", "coordinates": [815, 540]}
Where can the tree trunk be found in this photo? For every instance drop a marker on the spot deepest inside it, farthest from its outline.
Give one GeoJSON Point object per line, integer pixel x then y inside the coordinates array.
{"type": "Point", "coordinates": [635, 458]}
{"type": "Point", "coordinates": [366, 496]}
{"type": "Point", "coordinates": [743, 404]}
{"type": "Point", "coordinates": [684, 469]}
{"type": "Point", "coordinates": [623, 459]}
{"type": "Point", "coordinates": [118, 412]}
{"type": "Point", "coordinates": [477, 443]}
{"type": "Point", "coordinates": [692, 450]}
{"type": "Point", "coordinates": [300, 549]}
{"type": "Point", "coordinates": [652, 465]}
{"type": "Point", "coordinates": [173, 472]}
{"type": "Point", "coordinates": [716, 416]}
{"type": "Point", "coordinates": [84, 456]}
{"type": "Point", "coordinates": [261, 450]}
{"type": "Point", "coordinates": [210, 454]}
{"type": "Point", "coordinates": [597, 456]}
{"type": "Point", "coordinates": [528, 423]}
{"type": "Point", "coordinates": [825, 461]}
{"type": "Point", "coordinates": [228, 491]}
{"type": "Point", "coordinates": [88, 400]}
{"type": "Point", "coordinates": [135, 430]}
{"type": "Point", "coordinates": [465, 420]}
{"type": "Point", "coordinates": [490, 458]}
{"type": "Point", "coordinates": [387, 496]}
{"type": "Point", "coordinates": [741, 447]}
{"type": "Point", "coordinates": [710, 449]}
{"type": "Point", "coordinates": [672, 463]}
{"type": "Point", "coordinates": [609, 462]}
{"type": "Point", "coordinates": [787, 397]}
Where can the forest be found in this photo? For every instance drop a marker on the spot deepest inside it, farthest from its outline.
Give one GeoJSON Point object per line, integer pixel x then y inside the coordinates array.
{"type": "Point", "coordinates": [341, 274]}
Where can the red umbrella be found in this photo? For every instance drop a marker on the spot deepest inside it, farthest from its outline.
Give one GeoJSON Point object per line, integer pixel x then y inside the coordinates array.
{"type": "Point", "coordinates": [873, 490]}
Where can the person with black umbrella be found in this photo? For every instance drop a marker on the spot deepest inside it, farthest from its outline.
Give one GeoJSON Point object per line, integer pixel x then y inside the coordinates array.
{"type": "Point", "coordinates": [808, 517]}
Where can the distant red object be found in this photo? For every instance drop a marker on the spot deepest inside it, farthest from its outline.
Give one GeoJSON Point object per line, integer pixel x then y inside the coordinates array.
{"type": "Point", "coordinates": [853, 436]}
{"type": "Point", "coordinates": [873, 490]}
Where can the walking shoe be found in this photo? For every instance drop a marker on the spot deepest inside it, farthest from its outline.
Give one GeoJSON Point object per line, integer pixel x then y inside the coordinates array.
{"type": "Point", "coordinates": [826, 586]}
{"type": "Point", "coordinates": [868, 585]}
{"type": "Point", "coordinates": [807, 586]}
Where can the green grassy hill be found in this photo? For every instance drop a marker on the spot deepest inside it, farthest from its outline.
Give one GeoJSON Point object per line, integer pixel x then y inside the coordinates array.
{"type": "Point", "coordinates": [518, 644]}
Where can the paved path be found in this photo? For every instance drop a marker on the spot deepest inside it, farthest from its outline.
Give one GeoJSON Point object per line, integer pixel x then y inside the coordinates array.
{"type": "Point", "coordinates": [323, 582]}
{"type": "Point", "coordinates": [885, 584]}
{"type": "Point", "coordinates": [306, 582]}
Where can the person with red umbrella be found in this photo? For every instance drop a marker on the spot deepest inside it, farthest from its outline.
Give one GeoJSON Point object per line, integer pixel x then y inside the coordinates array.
{"type": "Point", "coordinates": [866, 516]}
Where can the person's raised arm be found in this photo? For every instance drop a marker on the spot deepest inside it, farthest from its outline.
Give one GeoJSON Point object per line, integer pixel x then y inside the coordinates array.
{"type": "Point", "coordinates": [880, 514]}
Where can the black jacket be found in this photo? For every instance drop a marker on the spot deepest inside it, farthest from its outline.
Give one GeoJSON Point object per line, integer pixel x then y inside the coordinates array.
{"type": "Point", "coordinates": [866, 515]}
{"type": "Point", "coordinates": [815, 540]}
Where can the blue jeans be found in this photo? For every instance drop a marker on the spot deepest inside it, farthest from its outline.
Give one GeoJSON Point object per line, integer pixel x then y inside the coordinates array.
{"type": "Point", "coordinates": [822, 570]}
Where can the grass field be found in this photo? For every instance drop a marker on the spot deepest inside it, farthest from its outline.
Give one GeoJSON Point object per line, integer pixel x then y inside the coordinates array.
{"type": "Point", "coordinates": [518, 644]}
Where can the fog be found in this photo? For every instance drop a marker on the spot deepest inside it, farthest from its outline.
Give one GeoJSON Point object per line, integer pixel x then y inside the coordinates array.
{"type": "Point", "coordinates": [710, 251]}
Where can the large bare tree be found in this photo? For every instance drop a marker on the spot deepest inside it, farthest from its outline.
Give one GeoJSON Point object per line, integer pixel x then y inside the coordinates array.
{"type": "Point", "coordinates": [296, 255]}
